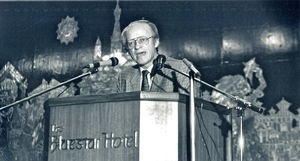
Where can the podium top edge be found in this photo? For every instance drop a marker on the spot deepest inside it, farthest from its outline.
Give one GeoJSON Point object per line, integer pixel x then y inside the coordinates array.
{"type": "Point", "coordinates": [135, 96]}
{"type": "Point", "coordinates": [115, 97]}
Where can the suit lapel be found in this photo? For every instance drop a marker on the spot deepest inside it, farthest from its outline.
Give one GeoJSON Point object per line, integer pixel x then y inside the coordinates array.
{"type": "Point", "coordinates": [158, 83]}
{"type": "Point", "coordinates": [135, 77]}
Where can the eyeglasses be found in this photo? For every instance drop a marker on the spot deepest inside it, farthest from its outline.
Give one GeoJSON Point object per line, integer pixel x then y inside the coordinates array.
{"type": "Point", "coordinates": [138, 41]}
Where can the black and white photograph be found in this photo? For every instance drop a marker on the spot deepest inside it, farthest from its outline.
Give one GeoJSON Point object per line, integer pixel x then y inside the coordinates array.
{"type": "Point", "coordinates": [150, 80]}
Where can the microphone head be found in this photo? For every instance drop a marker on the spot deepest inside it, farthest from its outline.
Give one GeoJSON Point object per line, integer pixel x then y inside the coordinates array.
{"type": "Point", "coordinates": [114, 61]}
{"type": "Point", "coordinates": [158, 64]}
{"type": "Point", "coordinates": [191, 67]}
{"type": "Point", "coordinates": [161, 59]}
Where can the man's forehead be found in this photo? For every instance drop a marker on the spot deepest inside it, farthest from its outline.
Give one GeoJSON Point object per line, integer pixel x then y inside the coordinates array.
{"type": "Point", "coordinates": [138, 25]}
{"type": "Point", "coordinates": [139, 30]}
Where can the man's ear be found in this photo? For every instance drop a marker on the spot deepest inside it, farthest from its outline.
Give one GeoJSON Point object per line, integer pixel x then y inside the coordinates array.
{"type": "Point", "coordinates": [156, 42]}
{"type": "Point", "coordinates": [124, 49]}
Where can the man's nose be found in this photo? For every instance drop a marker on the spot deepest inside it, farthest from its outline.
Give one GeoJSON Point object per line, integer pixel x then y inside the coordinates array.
{"type": "Point", "coordinates": [137, 45]}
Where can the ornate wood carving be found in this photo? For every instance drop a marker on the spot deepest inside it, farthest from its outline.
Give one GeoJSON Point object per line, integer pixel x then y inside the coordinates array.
{"type": "Point", "coordinates": [12, 87]}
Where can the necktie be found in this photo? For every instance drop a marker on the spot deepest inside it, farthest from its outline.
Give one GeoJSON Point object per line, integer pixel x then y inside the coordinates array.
{"type": "Point", "coordinates": [145, 83]}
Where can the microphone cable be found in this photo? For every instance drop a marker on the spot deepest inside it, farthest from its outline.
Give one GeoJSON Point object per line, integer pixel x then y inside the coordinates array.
{"type": "Point", "coordinates": [211, 138]}
{"type": "Point", "coordinates": [203, 138]}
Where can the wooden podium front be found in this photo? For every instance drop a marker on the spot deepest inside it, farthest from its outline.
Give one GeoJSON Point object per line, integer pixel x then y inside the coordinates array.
{"type": "Point", "coordinates": [136, 126]}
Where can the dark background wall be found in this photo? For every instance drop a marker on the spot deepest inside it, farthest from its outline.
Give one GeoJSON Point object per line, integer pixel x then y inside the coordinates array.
{"type": "Point", "coordinates": [217, 36]}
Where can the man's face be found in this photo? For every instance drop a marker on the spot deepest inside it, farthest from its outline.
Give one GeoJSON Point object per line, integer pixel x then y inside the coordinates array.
{"type": "Point", "coordinates": [142, 46]}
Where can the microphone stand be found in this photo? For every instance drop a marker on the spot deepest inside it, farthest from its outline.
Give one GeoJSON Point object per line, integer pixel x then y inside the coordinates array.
{"type": "Point", "coordinates": [92, 71]}
{"type": "Point", "coordinates": [192, 124]}
{"type": "Point", "coordinates": [241, 106]}
{"type": "Point", "coordinates": [235, 98]}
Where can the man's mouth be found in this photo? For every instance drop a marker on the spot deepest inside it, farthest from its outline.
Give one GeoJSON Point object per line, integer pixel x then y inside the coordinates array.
{"type": "Point", "coordinates": [141, 53]}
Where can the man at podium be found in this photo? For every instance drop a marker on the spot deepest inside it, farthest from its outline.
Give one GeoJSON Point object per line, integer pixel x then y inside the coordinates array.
{"type": "Point", "coordinates": [141, 40]}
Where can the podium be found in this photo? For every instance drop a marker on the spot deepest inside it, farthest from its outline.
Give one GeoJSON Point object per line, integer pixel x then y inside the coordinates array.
{"type": "Point", "coordinates": [135, 126]}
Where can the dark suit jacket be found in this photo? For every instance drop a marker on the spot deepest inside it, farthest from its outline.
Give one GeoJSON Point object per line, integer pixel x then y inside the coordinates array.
{"type": "Point", "coordinates": [165, 81]}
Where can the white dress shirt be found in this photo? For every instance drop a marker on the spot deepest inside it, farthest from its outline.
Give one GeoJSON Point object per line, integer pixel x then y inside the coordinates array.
{"type": "Point", "coordinates": [148, 76]}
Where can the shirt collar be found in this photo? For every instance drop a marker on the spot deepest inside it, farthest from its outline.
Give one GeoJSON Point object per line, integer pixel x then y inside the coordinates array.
{"type": "Point", "coordinates": [149, 68]}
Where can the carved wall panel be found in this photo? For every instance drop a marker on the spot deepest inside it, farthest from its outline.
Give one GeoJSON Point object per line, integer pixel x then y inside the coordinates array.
{"type": "Point", "coordinates": [102, 82]}
{"type": "Point", "coordinates": [266, 137]}
{"type": "Point", "coordinates": [12, 87]}
{"type": "Point", "coordinates": [26, 133]}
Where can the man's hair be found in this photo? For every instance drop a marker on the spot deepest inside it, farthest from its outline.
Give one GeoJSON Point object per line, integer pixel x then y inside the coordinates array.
{"type": "Point", "coordinates": [150, 24]}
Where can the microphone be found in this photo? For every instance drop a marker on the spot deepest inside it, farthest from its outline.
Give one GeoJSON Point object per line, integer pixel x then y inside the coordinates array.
{"type": "Point", "coordinates": [256, 108]}
{"type": "Point", "coordinates": [158, 64]}
{"type": "Point", "coordinates": [113, 61]}
{"type": "Point", "coordinates": [191, 66]}
{"type": "Point", "coordinates": [253, 107]}
{"type": "Point", "coordinates": [161, 59]}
